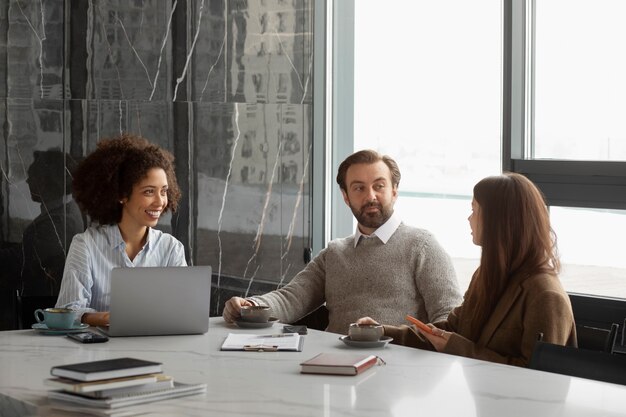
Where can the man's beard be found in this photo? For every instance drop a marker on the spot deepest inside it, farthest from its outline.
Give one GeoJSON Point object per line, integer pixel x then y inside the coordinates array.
{"type": "Point", "coordinates": [372, 220]}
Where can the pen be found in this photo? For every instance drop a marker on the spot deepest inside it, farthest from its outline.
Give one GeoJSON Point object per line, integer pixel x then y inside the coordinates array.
{"type": "Point", "coordinates": [419, 324]}
{"type": "Point", "coordinates": [277, 335]}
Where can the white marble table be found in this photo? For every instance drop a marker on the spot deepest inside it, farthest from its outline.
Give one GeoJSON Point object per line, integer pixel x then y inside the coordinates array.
{"type": "Point", "coordinates": [412, 383]}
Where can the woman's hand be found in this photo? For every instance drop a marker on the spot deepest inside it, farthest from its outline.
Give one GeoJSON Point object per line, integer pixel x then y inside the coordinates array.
{"type": "Point", "coordinates": [439, 338]}
{"type": "Point", "coordinates": [101, 318]}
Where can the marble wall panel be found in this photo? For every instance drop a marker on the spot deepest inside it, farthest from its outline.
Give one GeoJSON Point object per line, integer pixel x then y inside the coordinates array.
{"type": "Point", "coordinates": [34, 59]}
{"type": "Point", "coordinates": [225, 85]}
{"type": "Point", "coordinates": [251, 215]}
{"type": "Point", "coordinates": [272, 45]}
{"type": "Point", "coordinates": [108, 118]}
{"type": "Point", "coordinates": [211, 53]}
{"type": "Point", "coordinates": [33, 125]}
{"type": "Point", "coordinates": [128, 48]}
{"type": "Point", "coordinates": [39, 216]}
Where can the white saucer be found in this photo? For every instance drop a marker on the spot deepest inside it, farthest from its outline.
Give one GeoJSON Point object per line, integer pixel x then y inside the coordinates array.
{"type": "Point", "coordinates": [362, 344]}
{"type": "Point", "coordinates": [43, 329]}
{"type": "Point", "coordinates": [253, 325]}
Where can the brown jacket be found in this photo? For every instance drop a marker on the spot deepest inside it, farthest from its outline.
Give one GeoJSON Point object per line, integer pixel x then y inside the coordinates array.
{"type": "Point", "coordinates": [530, 306]}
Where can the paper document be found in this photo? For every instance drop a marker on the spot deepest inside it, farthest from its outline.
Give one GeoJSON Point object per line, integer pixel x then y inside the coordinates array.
{"type": "Point", "coordinates": [264, 342]}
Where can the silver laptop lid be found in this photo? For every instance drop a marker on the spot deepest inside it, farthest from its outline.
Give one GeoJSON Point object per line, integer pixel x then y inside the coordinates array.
{"type": "Point", "coordinates": [159, 301]}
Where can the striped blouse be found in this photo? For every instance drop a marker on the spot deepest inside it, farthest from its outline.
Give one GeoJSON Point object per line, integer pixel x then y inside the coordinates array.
{"type": "Point", "coordinates": [86, 284]}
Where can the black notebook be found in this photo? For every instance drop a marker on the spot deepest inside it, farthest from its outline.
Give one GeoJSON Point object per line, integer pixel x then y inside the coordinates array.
{"type": "Point", "coordinates": [110, 368]}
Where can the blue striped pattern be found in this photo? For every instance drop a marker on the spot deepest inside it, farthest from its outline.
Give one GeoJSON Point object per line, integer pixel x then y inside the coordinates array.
{"type": "Point", "coordinates": [86, 284]}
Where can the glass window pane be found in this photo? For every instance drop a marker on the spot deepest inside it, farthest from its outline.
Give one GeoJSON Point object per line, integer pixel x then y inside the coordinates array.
{"type": "Point", "coordinates": [591, 243]}
{"type": "Point", "coordinates": [580, 82]}
{"type": "Point", "coordinates": [427, 92]}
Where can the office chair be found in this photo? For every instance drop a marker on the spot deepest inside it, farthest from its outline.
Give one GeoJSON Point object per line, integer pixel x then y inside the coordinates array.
{"type": "Point", "coordinates": [582, 363]}
{"type": "Point", "coordinates": [26, 306]}
{"type": "Point", "coordinates": [593, 338]}
{"type": "Point", "coordinates": [620, 343]}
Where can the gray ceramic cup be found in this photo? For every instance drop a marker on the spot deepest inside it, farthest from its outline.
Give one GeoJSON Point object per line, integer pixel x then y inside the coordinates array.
{"type": "Point", "coordinates": [365, 332]}
{"type": "Point", "coordinates": [56, 318]}
{"type": "Point", "coordinates": [255, 314]}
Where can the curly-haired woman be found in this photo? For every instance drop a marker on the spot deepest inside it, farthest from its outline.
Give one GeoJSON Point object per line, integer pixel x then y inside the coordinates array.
{"type": "Point", "coordinates": [124, 186]}
{"type": "Point", "coordinates": [515, 294]}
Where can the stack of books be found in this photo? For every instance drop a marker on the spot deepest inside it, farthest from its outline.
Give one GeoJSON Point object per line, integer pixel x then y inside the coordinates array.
{"type": "Point", "coordinates": [115, 383]}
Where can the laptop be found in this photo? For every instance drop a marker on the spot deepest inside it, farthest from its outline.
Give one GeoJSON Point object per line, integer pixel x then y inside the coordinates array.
{"type": "Point", "coordinates": [158, 301]}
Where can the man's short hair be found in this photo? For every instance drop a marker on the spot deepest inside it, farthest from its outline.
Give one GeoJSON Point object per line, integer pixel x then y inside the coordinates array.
{"type": "Point", "coordinates": [367, 156]}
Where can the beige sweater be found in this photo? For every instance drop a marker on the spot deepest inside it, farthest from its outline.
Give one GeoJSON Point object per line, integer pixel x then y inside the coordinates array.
{"type": "Point", "coordinates": [410, 274]}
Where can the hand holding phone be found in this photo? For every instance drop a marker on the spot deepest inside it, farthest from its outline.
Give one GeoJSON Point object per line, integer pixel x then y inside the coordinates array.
{"type": "Point", "coordinates": [420, 325]}
{"type": "Point", "coordinates": [88, 337]}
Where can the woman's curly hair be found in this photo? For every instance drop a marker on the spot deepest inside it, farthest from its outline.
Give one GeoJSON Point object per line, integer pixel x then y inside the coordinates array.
{"type": "Point", "coordinates": [108, 175]}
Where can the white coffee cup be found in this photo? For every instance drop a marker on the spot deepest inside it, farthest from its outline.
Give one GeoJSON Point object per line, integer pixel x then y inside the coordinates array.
{"type": "Point", "coordinates": [255, 314]}
{"type": "Point", "coordinates": [365, 332]}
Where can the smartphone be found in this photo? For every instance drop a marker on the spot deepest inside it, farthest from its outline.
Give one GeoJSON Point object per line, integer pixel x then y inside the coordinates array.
{"type": "Point", "coordinates": [294, 329]}
{"type": "Point", "coordinates": [88, 337]}
{"type": "Point", "coordinates": [419, 324]}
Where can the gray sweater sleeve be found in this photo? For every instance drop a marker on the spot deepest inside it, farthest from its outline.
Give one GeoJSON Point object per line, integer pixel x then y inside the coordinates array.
{"type": "Point", "coordinates": [302, 295]}
{"type": "Point", "coordinates": [436, 281]}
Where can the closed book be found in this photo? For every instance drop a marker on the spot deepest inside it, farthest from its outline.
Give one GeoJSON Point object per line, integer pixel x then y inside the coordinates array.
{"type": "Point", "coordinates": [72, 385]}
{"type": "Point", "coordinates": [123, 400]}
{"type": "Point", "coordinates": [162, 382]}
{"type": "Point", "coordinates": [106, 369]}
{"type": "Point", "coordinates": [338, 364]}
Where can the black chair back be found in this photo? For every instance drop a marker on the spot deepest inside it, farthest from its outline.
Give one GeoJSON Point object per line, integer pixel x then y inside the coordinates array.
{"type": "Point", "coordinates": [593, 338]}
{"type": "Point", "coordinates": [582, 363]}
{"type": "Point", "coordinates": [594, 311]}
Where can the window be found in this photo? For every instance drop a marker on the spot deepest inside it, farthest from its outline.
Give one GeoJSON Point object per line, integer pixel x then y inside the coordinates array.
{"type": "Point", "coordinates": [563, 103]}
{"type": "Point", "coordinates": [579, 84]}
{"type": "Point", "coordinates": [427, 88]}
{"type": "Point", "coordinates": [456, 91]}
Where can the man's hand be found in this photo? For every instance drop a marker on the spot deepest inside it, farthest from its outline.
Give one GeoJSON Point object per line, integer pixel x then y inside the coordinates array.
{"type": "Point", "coordinates": [232, 308]}
{"type": "Point", "coordinates": [367, 320]}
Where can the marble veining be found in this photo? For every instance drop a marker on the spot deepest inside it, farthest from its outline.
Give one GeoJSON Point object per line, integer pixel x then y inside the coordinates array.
{"type": "Point", "coordinates": [219, 55]}
{"type": "Point", "coordinates": [40, 39]}
{"type": "Point", "coordinates": [219, 220]}
{"type": "Point", "coordinates": [163, 44]}
{"type": "Point", "coordinates": [191, 50]}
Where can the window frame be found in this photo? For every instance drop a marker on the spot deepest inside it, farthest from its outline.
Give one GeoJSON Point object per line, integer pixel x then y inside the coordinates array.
{"type": "Point", "coordinates": [565, 183]}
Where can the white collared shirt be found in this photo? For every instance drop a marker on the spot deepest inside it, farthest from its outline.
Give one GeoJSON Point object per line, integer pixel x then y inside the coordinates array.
{"type": "Point", "coordinates": [383, 233]}
{"type": "Point", "coordinates": [86, 284]}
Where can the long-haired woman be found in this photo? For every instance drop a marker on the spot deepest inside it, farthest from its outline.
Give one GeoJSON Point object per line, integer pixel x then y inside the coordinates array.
{"type": "Point", "coordinates": [515, 294]}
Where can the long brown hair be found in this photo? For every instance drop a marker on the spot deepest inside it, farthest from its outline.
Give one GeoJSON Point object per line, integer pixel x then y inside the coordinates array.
{"type": "Point", "coordinates": [516, 240]}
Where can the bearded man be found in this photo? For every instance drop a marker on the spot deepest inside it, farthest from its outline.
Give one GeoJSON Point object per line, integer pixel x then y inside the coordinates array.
{"type": "Point", "coordinates": [386, 269]}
